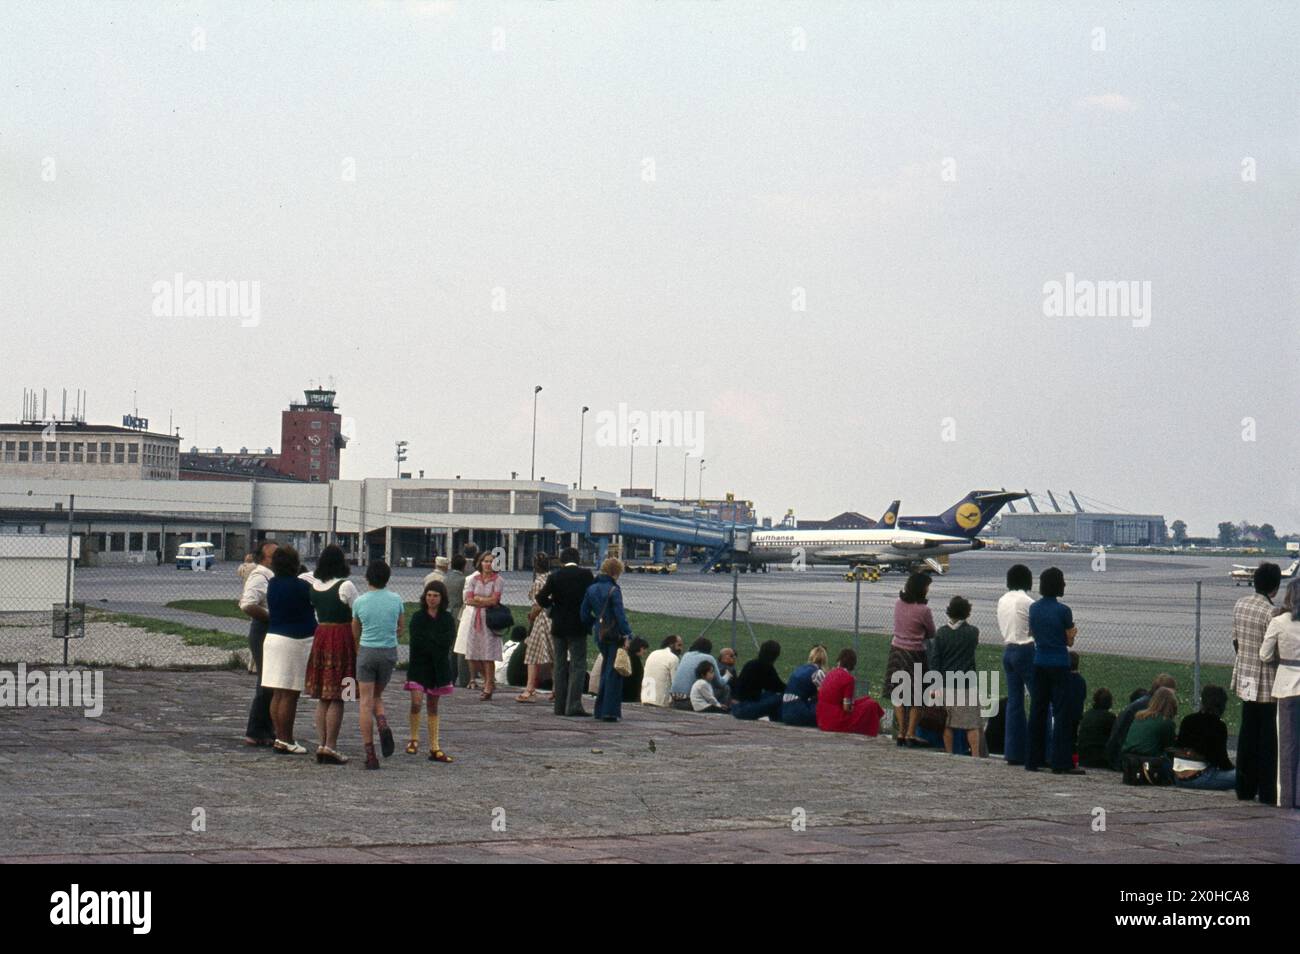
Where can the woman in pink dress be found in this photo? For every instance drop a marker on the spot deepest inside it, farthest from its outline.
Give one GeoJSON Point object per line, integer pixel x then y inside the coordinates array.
{"type": "Point", "coordinates": [837, 710]}
{"type": "Point", "coordinates": [483, 647]}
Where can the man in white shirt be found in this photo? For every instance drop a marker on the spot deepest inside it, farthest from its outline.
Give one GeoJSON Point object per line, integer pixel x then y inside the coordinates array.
{"type": "Point", "coordinates": [1017, 658]}
{"type": "Point", "coordinates": [660, 668]}
{"type": "Point", "coordinates": [252, 602]}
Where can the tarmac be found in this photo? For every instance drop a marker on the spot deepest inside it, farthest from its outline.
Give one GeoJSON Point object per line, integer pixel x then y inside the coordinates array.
{"type": "Point", "coordinates": [162, 776]}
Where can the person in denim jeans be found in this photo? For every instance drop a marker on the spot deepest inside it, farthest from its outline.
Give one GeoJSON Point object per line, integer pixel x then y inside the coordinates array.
{"type": "Point", "coordinates": [1017, 658]}
{"type": "Point", "coordinates": [604, 600]}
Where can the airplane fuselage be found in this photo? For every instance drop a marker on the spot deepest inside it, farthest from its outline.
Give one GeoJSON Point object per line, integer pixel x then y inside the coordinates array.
{"type": "Point", "coordinates": [851, 546]}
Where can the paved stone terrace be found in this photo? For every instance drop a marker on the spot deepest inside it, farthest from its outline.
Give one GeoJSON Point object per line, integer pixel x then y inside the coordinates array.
{"type": "Point", "coordinates": [660, 786]}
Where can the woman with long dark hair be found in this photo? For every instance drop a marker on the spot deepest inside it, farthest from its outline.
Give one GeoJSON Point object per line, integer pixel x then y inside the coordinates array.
{"type": "Point", "coordinates": [913, 625]}
{"type": "Point", "coordinates": [333, 650]}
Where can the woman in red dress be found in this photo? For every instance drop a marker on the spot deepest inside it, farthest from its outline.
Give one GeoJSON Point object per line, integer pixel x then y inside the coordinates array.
{"type": "Point", "coordinates": [837, 710]}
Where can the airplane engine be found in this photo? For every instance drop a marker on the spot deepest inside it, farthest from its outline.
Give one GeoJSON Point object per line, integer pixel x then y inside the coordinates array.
{"type": "Point", "coordinates": [903, 543]}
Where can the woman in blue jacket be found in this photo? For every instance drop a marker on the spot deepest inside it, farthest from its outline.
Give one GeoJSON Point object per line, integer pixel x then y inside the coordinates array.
{"type": "Point", "coordinates": [604, 600]}
{"type": "Point", "coordinates": [799, 705]}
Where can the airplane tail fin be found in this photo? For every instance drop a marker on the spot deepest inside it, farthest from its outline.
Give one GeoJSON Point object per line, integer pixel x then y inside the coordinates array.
{"type": "Point", "coordinates": [971, 514]}
{"type": "Point", "coordinates": [889, 519]}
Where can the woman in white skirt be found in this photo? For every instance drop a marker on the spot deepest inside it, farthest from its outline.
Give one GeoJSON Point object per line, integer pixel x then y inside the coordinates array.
{"type": "Point", "coordinates": [289, 633]}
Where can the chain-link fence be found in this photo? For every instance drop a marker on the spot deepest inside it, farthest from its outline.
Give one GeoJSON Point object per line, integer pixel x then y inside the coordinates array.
{"type": "Point", "coordinates": [1132, 624]}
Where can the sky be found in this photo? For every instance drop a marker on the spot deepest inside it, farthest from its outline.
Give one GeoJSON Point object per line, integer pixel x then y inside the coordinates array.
{"type": "Point", "coordinates": [824, 234]}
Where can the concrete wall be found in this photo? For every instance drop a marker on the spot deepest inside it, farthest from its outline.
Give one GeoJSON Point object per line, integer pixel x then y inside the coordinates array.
{"type": "Point", "coordinates": [34, 569]}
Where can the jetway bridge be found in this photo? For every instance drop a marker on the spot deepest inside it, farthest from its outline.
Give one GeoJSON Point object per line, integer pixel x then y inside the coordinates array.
{"type": "Point", "coordinates": [602, 524]}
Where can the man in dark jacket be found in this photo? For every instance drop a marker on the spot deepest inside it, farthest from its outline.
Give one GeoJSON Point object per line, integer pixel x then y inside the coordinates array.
{"type": "Point", "coordinates": [561, 596]}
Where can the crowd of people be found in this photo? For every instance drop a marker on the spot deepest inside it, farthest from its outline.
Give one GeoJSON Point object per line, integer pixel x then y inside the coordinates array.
{"type": "Point", "coordinates": [313, 631]}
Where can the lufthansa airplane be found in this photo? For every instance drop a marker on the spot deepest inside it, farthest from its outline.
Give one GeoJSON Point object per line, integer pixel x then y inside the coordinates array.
{"type": "Point", "coordinates": [900, 542]}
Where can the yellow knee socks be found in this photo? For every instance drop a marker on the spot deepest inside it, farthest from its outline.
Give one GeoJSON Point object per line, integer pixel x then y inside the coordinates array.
{"type": "Point", "coordinates": [415, 726]}
{"type": "Point", "coordinates": [433, 733]}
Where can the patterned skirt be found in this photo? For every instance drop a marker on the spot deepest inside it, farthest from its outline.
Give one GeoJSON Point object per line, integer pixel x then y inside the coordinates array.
{"type": "Point", "coordinates": [537, 647]}
{"type": "Point", "coordinates": [333, 659]}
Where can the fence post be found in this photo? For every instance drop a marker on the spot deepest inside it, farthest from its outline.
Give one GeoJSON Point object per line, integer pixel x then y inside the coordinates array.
{"type": "Point", "coordinates": [67, 578]}
{"type": "Point", "coordinates": [1196, 665]}
{"type": "Point", "coordinates": [857, 608]}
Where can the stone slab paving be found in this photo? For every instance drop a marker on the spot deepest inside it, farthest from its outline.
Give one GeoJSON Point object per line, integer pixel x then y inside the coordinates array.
{"type": "Point", "coordinates": [527, 786]}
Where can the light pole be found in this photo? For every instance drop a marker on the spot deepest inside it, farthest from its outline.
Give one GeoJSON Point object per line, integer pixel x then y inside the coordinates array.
{"type": "Point", "coordinates": [582, 430]}
{"type": "Point", "coordinates": [631, 457]}
{"type": "Point", "coordinates": [685, 458]}
{"type": "Point", "coordinates": [701, 481]}
{"type": "Point", "coordinates": [400, 456]}
{"type": "Point", "coordinates": [654, 491]}
{"type": "Point", "coordinates": [532, 467]}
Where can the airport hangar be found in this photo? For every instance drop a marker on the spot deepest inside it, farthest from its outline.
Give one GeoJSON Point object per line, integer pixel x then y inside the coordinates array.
{"type": "Point", "coordinates": [1085, 528]}
{"type": "Point", "coordinates": [409, 521]}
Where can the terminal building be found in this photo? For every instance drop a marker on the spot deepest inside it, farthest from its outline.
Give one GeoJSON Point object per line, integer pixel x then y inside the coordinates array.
{"type": "Point", "coordinates": [406, 521]}
{"type": "Point", "coordinates": [1085, 529]}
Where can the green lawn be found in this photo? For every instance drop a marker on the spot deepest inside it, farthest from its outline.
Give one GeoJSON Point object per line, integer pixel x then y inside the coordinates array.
{"type": "Point", "coordinates": [191, 635]}
{"type": "Point", "coordinates": [1119, 674]}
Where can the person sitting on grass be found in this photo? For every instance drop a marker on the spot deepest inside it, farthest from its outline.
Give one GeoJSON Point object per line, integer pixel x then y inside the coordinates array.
{"type": "Point", "coordinates": [954, 657]}
{"type": "Point", "coordinates": [837, 710]}
{"type": "Point", "coordinates": [757, 691]}
{"type": "Point", "coordinates": [660, 668]}
{"type": "Point", "coordinates": [636, 654]}
{"type": "Point", "coordinates": [1152, 733]}
{"type": "Point", "coordinates": [1201, 749]}
{"type": "Point", "coordinates": [702, 697]}
{"type": "Point", "coordinates": [701, 651]}
{"type": "Point", "coordinates": [376, 621]}
{"type": "Point", "coordinates": [1094, 729]}
{"type": "Point", "coordinates": [1137, 702]}
{"type": "Point", "coordinates": [429, 674]}
{"type": "Point", "coordinates": [799, 704]}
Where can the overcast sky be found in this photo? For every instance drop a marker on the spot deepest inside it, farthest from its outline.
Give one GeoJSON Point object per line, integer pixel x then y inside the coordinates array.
{"type": "Point", "coordinates": [444, 205]}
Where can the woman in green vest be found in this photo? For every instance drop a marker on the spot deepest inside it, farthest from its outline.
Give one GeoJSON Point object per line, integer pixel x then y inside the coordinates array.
{"type": "Point", "coordinates": [332, 668]}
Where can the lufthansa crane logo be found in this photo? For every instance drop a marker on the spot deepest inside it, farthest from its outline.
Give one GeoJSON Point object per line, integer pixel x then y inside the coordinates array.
{"type": "Point", "coordinates": [889, 518]}
{"type": "Point", "coordinates": [968, 515]}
